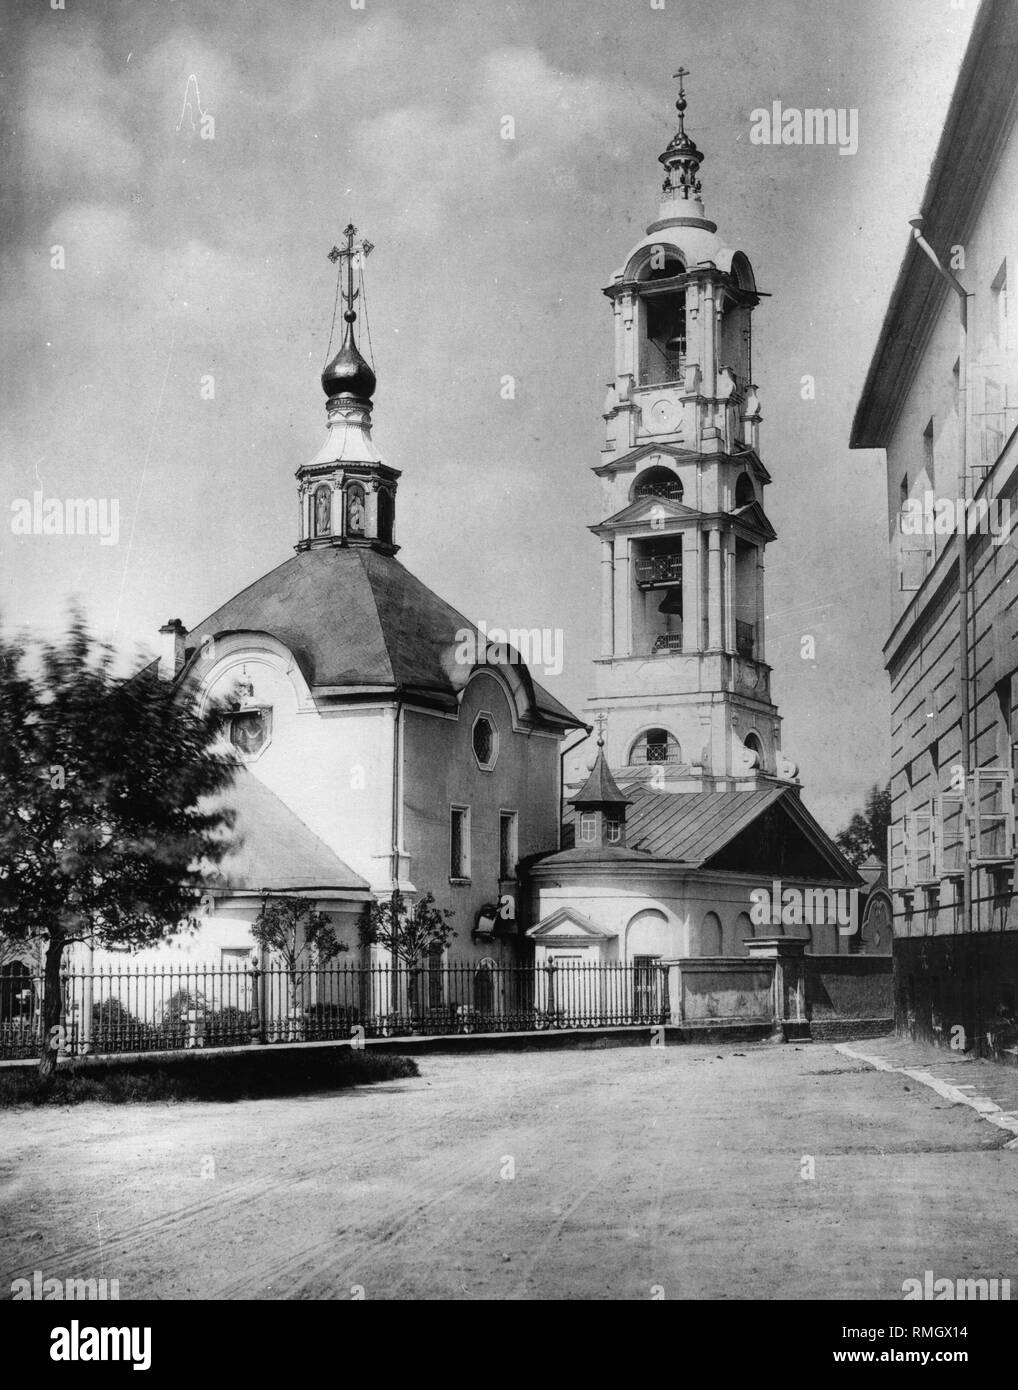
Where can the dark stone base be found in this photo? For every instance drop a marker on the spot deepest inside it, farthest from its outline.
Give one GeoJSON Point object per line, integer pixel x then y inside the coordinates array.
{"type": "Point", "coordinates": [845, 1029]}
{"type": "Point", "coordinates": [959, 992]}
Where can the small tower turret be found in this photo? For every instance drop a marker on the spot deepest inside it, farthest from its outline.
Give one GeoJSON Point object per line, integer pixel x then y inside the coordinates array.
{"type": "Point", "coordinates": [347, 494]}
{"type": "Point", "coordinates": [600, 806]}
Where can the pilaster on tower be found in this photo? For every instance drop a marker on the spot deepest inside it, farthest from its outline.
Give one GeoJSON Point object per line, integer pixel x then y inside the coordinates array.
{"type": "Point", "coordinates": [683, 529]}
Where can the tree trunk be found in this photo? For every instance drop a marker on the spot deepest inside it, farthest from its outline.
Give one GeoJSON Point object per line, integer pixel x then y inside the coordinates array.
{"type": "Point", "coordinates": [52, 1007]}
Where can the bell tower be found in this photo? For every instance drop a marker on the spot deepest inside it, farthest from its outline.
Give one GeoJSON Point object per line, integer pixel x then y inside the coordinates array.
{"type": "Point", "coordinates": [347, 495]}
{"type": "Point", "coordinates": [682, 670]}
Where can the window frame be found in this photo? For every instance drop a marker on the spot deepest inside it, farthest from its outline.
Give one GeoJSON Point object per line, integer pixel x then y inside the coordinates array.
{"type": "Point", "coordinates": [459, 872]}
{"type": "Point", "coordinates": [508, 816]}
{"type": "Point", "coordinates": [489, 764]}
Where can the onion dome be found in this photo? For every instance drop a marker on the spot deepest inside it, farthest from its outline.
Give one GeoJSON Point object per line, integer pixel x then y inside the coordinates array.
{"type": "Point", "coordinates": [348, 374]}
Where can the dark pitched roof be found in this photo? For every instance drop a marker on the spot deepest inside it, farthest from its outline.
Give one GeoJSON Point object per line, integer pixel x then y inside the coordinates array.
{"type": "Point", "coordinates": [600, 787]}
{"type": "Point", "coordinates": [357, 619]}
{"type": "Point", "coordinates": [273, 848]}
{"type": "Point", "coordinates": [763, 831]}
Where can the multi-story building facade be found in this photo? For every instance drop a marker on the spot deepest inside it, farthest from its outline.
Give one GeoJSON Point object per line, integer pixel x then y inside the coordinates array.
{"type": "Point", "coordinates": [941, 399]}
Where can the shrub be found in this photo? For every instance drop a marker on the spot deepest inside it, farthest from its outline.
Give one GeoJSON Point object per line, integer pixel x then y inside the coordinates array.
{"type": "Point", "coordinates": [222, 1077]}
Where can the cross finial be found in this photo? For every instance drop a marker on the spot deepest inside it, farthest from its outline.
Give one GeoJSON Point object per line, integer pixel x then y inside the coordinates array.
{"type": "Point", "coordinates": [680, 105]}
{"type": "Point", "coordinates": [363, 249]}
{"type": "Point", "coordinates": [601, 721]}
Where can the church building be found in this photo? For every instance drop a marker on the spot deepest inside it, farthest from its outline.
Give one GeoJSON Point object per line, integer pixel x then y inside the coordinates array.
{"type": "Point", "coordinates": [376, 755]}
{"type": "Point", "coordinates": [691, 807]}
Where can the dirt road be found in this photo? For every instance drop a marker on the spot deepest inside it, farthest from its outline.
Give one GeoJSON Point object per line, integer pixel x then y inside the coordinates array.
{"type": "Point", "coordinates": [604, 1173]}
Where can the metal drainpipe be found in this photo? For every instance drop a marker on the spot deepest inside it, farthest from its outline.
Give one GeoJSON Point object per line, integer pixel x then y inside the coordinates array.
{"type": "Point", "coordinates": [916, 224]}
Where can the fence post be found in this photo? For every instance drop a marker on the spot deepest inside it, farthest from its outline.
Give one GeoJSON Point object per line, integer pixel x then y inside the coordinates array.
{"type": "Point", "coordinates": [551, 993]}
{"type": "Point", "coordinates": [257, 1022]}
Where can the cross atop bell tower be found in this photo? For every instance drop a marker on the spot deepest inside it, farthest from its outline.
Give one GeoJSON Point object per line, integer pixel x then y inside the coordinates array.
{"type": "Point", "coordinates": [683, 528]}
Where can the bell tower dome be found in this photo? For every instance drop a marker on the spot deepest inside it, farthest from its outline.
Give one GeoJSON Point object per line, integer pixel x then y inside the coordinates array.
{"type": "Point", "coordinates": [683, 530]}
{"type": "Point", "coordinates": [347, 495]}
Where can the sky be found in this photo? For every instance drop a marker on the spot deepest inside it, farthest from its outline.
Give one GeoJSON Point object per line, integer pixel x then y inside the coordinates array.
{"type": "Point", "coordinates": [187, 258]}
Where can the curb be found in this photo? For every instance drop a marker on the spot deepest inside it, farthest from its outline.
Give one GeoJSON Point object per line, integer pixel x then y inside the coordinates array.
{"type": "Point", "coordinates": [986, 1109]}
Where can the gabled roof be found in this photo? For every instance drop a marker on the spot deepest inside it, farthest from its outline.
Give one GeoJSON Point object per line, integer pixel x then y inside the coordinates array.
{"type": "Point", "coordinates": [272, 847]}
{"type": "Point", "coordinates": [566, 923]}
{"type": "Point", "coordinates": [763, 831]}
{"type": "Point", "coordinates": [644, 510]}
{"type": "Point", "coordinates": [632, 456]}
{"type": "Point", "coordinates": [754, 516]}
{"type": "Point", "coordinates": [355, 618]}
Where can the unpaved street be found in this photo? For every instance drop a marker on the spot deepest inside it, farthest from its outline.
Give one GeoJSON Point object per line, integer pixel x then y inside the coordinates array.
{"type": "Point", "coordinates": [583, 1174]}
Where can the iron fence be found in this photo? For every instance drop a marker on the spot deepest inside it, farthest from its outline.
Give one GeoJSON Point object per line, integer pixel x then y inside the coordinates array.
{"type": "Point", "coordinates": [149, 1009]}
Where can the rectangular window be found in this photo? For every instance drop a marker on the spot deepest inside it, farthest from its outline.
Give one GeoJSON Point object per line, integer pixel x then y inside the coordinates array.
{"type": "Point", "coordinates": [508, 846]}
{"type": "Point", "coordinates": [588, 827]}
{"type": "Point", "coordinates": [613, 828]}
{"type": "Point", "coordinates": [459, 843]}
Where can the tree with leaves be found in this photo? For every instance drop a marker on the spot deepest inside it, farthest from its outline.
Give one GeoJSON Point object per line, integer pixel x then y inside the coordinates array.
{"type": "Point", "coordinates": [409, 932]}
{"type": "Point", "coordinates": [300, 936]}
{"type": "Point", "coordinates": [110, 817]}
{"type": "Point", "coordinates": [866, 833]}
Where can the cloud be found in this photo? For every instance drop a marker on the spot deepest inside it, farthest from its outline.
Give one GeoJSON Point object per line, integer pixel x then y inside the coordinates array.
{"type": "Point", "coordinates": [74, 115]}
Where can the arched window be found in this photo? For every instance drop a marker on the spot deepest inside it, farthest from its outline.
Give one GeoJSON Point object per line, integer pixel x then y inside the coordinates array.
{"type": "Point", "coordinates": [755, 748]}
{"type": "Point", "coordinates": [663, 317]}
{"type": "Point", "coordinates": [663, 346]}
{"type": "Point", "coordinates": [648, 934]}
{"type": "Point", "coordinates": [658, 482]}
{"type": "Point", "coordinates": [710, 935]}
{"type": "Point", "coordinates": [741, 932]}
{"type": "Point", "coordinates": [660, 263]}
{"type": "Point", "coordinates": [744, 490]}
{"type": "Point", "coordinates": [385, 515]}
{"type": "Point", "coordinates": [655, 746]}
{"type": "Point", "coordinates": [355, 510]}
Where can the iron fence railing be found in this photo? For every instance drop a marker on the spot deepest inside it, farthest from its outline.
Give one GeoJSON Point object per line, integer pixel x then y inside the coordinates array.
{"type": "Point", "coordinates": [146, 1009]}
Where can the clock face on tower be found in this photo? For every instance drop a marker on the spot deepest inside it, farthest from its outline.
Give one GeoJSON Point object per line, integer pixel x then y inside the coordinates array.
{"type": "Point", "coordinates": [661, 415]}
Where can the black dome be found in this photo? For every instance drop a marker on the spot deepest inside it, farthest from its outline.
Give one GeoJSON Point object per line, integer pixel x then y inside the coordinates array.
{"type": "Point", "coordinates": [348, 374]}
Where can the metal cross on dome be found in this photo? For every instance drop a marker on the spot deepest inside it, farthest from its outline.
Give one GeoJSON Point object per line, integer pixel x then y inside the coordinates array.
{"type": "Point", "coordinates": [363, 249]}
{"type": "Point", "coordinates": [602, 723]}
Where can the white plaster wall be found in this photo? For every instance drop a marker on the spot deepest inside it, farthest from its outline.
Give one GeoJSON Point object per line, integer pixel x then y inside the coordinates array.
{"type": "Point", "coordinates": [332, 766]}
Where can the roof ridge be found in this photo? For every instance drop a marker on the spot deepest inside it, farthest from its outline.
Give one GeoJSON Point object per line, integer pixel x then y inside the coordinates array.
{"type": "Point", "coordinates": [362, 561]}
